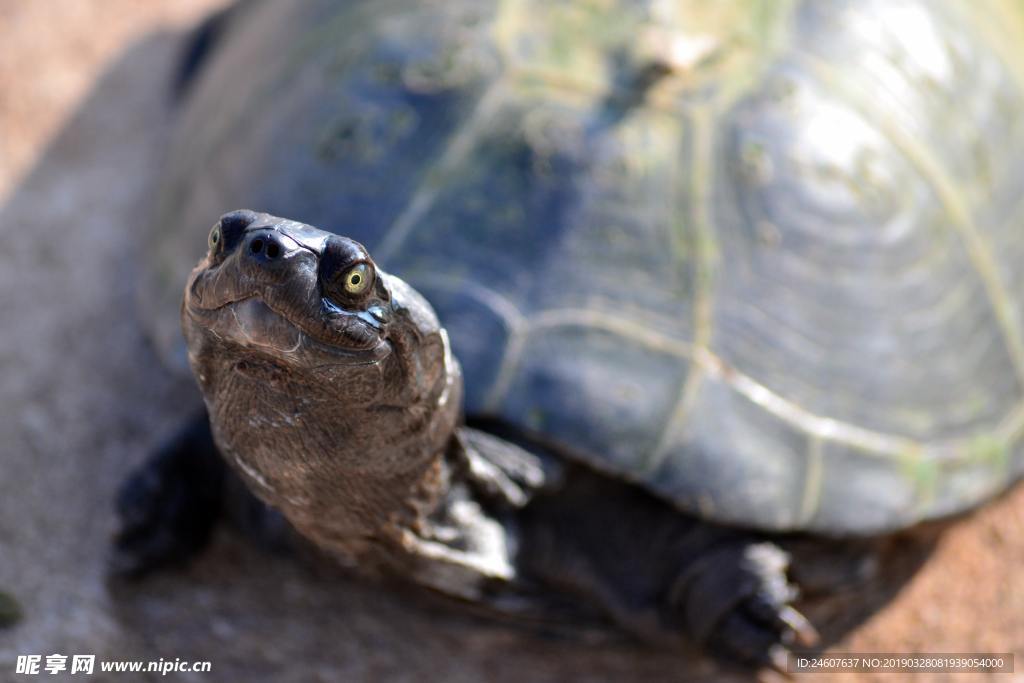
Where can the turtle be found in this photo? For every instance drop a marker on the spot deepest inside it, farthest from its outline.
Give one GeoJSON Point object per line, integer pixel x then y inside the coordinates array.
{"type": "Point", "coordinates": [604, 300]}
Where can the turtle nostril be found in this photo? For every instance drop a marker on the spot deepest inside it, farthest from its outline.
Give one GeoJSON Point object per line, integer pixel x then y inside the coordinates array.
{"type": "Point", "coordinates": [265, 248]}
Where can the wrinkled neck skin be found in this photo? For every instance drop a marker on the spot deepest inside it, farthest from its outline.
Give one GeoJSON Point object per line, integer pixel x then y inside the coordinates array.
{"type": "Point", "coordinates": [353, 453]}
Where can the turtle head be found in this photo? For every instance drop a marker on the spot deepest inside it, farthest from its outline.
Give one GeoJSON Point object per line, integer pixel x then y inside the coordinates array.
{"type": "Point", "coordinates": [317, 367]}
{"type": "Point", "coordinates": [289, 293]}
{"type": "Point", "coordinates": [284, 297]}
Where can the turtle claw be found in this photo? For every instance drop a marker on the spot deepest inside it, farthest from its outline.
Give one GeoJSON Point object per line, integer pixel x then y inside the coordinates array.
{"type": "Point", "coordinates": [736, 601]}
{"type": "Point", "coordinates": [778, 658]}
{"type": "Point", "coordinates": [797, 624]}
{"type": "Point", "coordinates": [750, 641]}
{"type": "Point", "coordinates": [501, 471]}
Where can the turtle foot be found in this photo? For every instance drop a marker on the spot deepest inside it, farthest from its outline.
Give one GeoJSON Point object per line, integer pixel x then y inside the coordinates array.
{"type": "Point", "coordinates": [167, 508]}
{"type": "Point", "coordinates": [737, 602]}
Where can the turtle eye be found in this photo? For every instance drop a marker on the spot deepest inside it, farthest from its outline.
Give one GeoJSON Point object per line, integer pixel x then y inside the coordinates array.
{"type": "Point", "coordinates": [214, 239]}
{"type": "Point", "coordinates": [347, 274]}
{"type": "Point", "coordinates": [357, 279]}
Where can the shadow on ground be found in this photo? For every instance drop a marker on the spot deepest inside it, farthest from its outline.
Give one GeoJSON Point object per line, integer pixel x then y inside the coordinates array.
{"type": "Point", "coordinates": [84, 397]}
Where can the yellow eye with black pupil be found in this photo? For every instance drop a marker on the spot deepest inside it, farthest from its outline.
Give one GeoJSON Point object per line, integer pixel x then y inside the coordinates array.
{"type": "Point", "coordinates": [214, 237]}
{"type": "Point", "coordinates": [357, 279]}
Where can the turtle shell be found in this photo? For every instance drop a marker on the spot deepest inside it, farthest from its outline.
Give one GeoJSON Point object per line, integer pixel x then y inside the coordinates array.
{"type": "Point", "coordinates": [765, 260]}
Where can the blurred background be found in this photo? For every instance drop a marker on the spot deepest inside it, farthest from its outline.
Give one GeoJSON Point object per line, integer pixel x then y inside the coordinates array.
{"type": "Point", "coordinates": [84, 115]}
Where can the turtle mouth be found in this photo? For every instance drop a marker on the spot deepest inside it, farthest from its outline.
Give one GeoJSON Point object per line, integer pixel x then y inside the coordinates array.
{"type": "Point", "coordinates": [341, 337]}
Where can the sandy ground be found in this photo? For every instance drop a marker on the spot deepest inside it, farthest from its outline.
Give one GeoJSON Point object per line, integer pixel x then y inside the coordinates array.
{"type": "Point", "coordinates": [82, 397]}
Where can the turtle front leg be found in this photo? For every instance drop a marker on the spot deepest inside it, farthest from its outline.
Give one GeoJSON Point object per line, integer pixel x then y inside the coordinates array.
{"type": "Point", "coordinates": [663, 575]}
{"type": "Point", "coordinates": [465, 548]}
{"type": "Point", "coordinates": [168, 506]}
